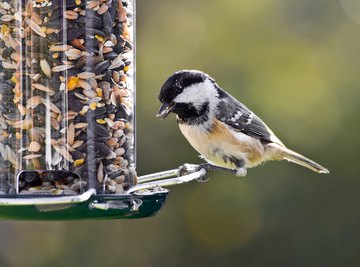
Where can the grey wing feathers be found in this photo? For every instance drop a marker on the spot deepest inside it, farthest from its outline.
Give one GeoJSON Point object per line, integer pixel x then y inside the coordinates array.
{"type": "Point", "coordinates": [240, 118]}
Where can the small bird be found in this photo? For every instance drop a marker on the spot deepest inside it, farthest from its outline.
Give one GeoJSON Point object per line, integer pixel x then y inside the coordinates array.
{"type": "Point", "coordinates": [224, 131]}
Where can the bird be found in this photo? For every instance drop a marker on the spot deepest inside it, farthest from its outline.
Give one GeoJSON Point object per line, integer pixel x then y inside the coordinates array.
{"type": "Point", "coordinates": [224, 131]}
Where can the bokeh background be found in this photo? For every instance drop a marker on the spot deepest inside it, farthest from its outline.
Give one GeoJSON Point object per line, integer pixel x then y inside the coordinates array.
{"type": "Point", "coordinates": [296, 64]}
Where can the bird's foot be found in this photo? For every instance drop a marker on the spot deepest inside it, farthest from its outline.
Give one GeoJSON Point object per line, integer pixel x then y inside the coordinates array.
{"type": "Point", "coordinates": [241, 172]}
{"type": "Point", "coordinates": [207, 167]}
{"type": "Point", "coordinates": [191, 168]}
{"type": "Point", "coordinates": [186, 169]}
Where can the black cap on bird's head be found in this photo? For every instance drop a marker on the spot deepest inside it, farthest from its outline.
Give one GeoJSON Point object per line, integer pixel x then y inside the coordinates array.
{"type": "Point", "coordinates": [175, 85]}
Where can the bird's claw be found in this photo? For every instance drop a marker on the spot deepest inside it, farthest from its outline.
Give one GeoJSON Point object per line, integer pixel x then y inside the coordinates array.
{"type": "Point", "coordinates": [191, 168]}
{"type": "Point", "coordinates": [186, 169]}
{"type": "Point", "coordinates": [241, 172]}
{"type": "Point", "coordinates": [203, 179]}
{"type": "Point", "coordinates": [204, 166]}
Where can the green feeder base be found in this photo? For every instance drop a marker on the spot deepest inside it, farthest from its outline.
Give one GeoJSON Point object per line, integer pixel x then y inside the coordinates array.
{"type": "Point", "coordinates": [142, 200]}
{"type": "Point", "coordinates": [127, 206]}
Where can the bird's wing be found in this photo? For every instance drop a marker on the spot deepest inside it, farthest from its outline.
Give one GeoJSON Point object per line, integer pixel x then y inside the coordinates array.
{"type": "Point", "coordinates": [237, 116]}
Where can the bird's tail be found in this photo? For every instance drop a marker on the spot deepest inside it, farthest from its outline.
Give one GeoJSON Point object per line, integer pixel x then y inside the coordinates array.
{"type": "Point", "coordinates": [289, 155]}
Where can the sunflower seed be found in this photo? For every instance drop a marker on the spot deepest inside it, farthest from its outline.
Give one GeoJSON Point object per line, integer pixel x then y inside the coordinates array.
{"type": "Point", "coordinates": [72, 15]}
{"type": "Point", "coordinates": [117, 63]}
{"type": "Point", "coordinates": [7, 18]}
{"type": "Point", "coordinates": [96, 99]}
{"type": "Point", "coordinates": [62, 68]}
{"type": "Point", "coordinates": [6, 5]}
{"type": "Point", "coordinates": [103, 8]}
{"type": "Point", "coordinates": [93, 82]}
{"type": "Point", "coordinates": [63, 151]}
{"type": "Point", "coordinates": [37, 134]}
{"type": "Point", "coordinates": [9, 65]}
{"type": "Point", "coordinates": [90, 93]}
{"type": "Point", "coordinates": [86, 75]}
{"type": "Point", "coordinates": [92, 4]}
{"type": "Point", "coordinates": [34, 146]}
{"type": "Point", "coordinates": [118, 133]}
{"type": "Point", "coordinates": [120, 151]}
{"type": "Point", "coordinates": [73, 53]}
{"type": "Point", "coordinates": [82, 97]}
{"type": "Point", "coordinates": [120, 179]}
{"type": "Point", "coordinates": [102, 66]}
{"type": "Point", "coordinates": [100, 130]}
{"type": "Point", "coordinates": [33, 102]}
{"type": "Point", "coordinates": [84, 84]}
{"type": "Point", "coordinates": [107, 22]}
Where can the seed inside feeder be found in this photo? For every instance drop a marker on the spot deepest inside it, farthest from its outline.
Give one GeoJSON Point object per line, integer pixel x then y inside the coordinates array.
{"type": "Point", "coordinates": [65, 98]}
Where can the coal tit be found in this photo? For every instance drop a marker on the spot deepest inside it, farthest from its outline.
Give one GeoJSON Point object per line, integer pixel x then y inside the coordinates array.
{"type": "Point", "coordinates": [224, 131]}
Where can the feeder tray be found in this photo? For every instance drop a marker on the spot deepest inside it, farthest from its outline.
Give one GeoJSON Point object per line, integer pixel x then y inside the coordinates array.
{"type": "Point", "coordinates": [142, 200]}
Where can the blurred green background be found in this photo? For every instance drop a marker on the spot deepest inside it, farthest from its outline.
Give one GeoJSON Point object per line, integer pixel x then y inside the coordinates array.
{"type": "Point", "coordinates": [296, 64]}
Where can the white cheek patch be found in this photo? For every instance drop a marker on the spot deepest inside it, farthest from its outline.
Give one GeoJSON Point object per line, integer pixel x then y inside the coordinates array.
{"type": "Point", "coordinates": [198, 94]}
{"type": "Point", "coordinates": [190, 94]}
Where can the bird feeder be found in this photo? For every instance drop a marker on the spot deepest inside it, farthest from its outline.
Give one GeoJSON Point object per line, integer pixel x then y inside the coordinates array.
{"type": "Point", "coordinates": [67, 113]}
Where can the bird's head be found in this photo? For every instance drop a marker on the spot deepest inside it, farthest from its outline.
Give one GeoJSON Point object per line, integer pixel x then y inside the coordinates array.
{"type": "Point", "coordinates": [188, 93]}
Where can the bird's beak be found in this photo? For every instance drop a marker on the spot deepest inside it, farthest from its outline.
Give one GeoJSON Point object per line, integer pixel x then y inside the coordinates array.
{"type": "Point", "coordinates": [165, 109]}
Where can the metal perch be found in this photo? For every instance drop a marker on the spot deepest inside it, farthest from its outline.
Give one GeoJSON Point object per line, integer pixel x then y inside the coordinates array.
{"type": "Point", "coordinates": [185, 173]}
